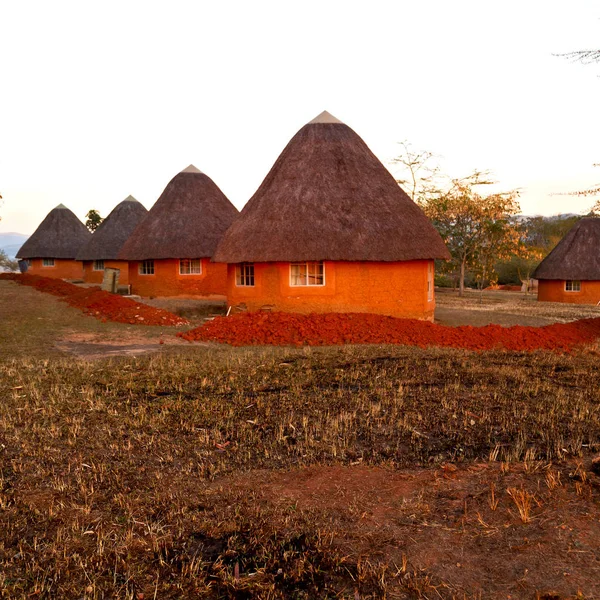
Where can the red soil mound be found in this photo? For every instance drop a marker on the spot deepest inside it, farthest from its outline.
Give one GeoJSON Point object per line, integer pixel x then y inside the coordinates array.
{"type": "Point", "coordinates": [102, 305]}
{"type": "Point", "coordinates": [283, 329]}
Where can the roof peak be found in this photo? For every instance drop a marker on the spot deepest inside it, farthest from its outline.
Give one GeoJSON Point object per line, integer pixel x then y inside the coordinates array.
{"type": "Point", "coordinates": [325, 117]}
{"type": "Point", "coordinates": [61, 205]}
{"type": "Point", "coordinates": [130, 198]}
{"type": "Point", "coordinates": [191, 169]}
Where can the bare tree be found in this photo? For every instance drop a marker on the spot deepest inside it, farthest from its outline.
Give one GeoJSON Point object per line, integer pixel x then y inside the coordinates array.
{"type": "Point", "coordinates": [583, 56]}
{"type": "Point", "coordinates": [420, 172]}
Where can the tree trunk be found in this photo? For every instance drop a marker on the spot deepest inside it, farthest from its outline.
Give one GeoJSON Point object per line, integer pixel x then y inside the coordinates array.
{"type": "Point", "coordinates": [461, 283]}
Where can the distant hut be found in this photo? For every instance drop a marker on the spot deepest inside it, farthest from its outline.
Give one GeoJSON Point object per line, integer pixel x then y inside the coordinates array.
{"type": "Point", "coordinates": [571, 272]}
{"type": "Point", "coordinates": [52, 249]}
{"type": "Point", "coordinates": [330, 230]}
{"type": "Point", "coordinates": [103, 248]}
{"type": "Point", "coordinates": [170, 250]}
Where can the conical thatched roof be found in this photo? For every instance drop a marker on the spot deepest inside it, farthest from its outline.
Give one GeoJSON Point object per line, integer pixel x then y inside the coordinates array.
{"type": "Point", "coordinates": [328, 197]}
{"type": "Point", "coordinates": [59, 235]}
{"type": "Point", "coordinates": [576, 256]}
{"type": "Point", "coordinates": [187, 221]}
{"type": "Point", "coordinates": [114, 231]}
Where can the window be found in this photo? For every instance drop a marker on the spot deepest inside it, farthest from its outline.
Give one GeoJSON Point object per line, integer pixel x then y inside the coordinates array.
{"type": "Point", "coordinates": [307, 273]}
{"type": "Point", "coordinates": [47, 262]}
{"type": "Point", "coordinates": [573, 286]}
{"type": "Point", "coordinates": [430, 282]}
{"type": "Point", "coordinates": [29, 263]}
{"type": "Point", "coordinates": [98, 265]}
{"type": "Point", "coordinates": [147, 267]}
{"type": "Point", "coordinates": [189, 266]}
{"type": "Point", "coordinates": [244, 274]}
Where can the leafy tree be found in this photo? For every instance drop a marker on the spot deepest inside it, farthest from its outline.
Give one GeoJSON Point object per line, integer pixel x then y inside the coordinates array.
{"type": "Point", "coordinates": [478, 230]}
{"type": "Point", "coordinates": [8, 263]}
{"type": "Point", "coordinates": [517, 270]}
{"type": "Point", "coordinates": [93, 220]}
{"type": "Point", "coordinates": [545, 232]}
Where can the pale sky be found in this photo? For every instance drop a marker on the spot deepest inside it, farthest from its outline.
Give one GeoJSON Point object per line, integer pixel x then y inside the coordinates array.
{"type": "Point", "coordinates": [102, 100]}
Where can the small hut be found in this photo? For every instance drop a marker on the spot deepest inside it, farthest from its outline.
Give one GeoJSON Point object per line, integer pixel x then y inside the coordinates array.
{"type": "Point", "coordinates": [571, 272]}
{"type": "Point", "coordinates": [171, 248]}
{"type": "Point", "coordinates": [330, 230]}
{"type": "Point", "coordinates": [103, 248]}
{"type": "Point", "coordinates": [52, 249]}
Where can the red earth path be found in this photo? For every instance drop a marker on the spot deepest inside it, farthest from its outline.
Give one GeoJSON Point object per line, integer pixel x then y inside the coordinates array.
{"type": "Point", "coordinates": [286, 329]}
{"type": "Point", "coordinates": [102, 305]}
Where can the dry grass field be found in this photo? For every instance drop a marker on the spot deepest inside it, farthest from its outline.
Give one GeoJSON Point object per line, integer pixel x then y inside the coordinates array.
{"type": "Point", "coordinates": [200, 471]}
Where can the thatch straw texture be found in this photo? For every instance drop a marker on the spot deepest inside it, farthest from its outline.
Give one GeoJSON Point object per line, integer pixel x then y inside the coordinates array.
{"type": "Point", "coordinates": [328, 197]}
{"type": "Point", "coordinates": [114, 231]}
{"type": "Point", "coordinates": [576, 256]}
{"type": "Point", "coordinates": [187, 221]}
{"type": "Point", "coordinates": [60, 235]}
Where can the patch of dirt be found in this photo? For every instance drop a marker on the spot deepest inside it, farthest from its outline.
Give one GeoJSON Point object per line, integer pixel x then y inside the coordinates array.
{"type": "Point", "coordinates": [462, 526]}
{"type": "Point", "coordinates": [92, 346]}
{"type": "Point", "coordinates": [457, 317]}
{"type": "Point", "coordinates": [505, 308]}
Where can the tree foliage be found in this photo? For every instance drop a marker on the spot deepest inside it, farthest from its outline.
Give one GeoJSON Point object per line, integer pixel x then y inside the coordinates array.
{"type": "Point", "coordinates": [93, 220]}
{"type": "Point", "coordinates": [7, 263]}
{"type": "Point", "coordinates": [479, 230]}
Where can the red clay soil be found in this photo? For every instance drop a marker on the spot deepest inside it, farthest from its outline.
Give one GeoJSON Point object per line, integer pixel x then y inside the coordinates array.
{"type": "Point", "coordinates": [96, 303]}
{"type": "Point", "coordinates": [285, 329]}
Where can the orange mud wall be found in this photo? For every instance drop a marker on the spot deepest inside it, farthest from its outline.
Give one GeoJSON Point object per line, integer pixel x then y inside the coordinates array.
{"type": "Point", "coordinates": [91, 276]}
{"type": "Point", "coordinates": [553, 290]}
{"type": "Point", "coordinates": [397, 289]}
{"type": "Point", "coordinates": [63, 269]}
{"type": "Point", "coordinates": [167, 281]}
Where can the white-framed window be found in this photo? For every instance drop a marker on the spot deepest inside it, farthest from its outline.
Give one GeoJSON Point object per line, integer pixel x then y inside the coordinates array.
{"type": "Point", "coordinates": [47, 262]}
{"type": "Point", "coordinates": [430, 282]}
{"type": "Point", "coordinates": [98, 265]}
{"type": "Point", "coordinates": [190, 266]}
{"type": "Point", "coordinates": [244, 274]}
{"type": "Point", "coordinates": [572, 286]}
{"type": "Point", "coordinates": [307, 273]}
{"type": "Point", "coordinates": [146, 267]}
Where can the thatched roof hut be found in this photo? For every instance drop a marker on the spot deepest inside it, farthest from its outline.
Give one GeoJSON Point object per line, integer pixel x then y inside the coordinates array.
{"type": "Point", "coordinates": [60, 235]}
{"type": "Point", "coordinates": [576, 256]}
{"type": "Point", "coordinates": [114, 231]}
{"type": "Point", "coordinates": [328, 197]}
{"type": "Point", "coordinates": [187, 221]}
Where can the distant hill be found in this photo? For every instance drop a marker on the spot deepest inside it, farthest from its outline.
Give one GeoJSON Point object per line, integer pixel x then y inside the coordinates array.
{"type": "Point", "coordinates": [11, 242]}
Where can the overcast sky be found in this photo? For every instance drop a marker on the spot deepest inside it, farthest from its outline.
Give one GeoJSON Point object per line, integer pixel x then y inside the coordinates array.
{"type": "Point", "coordinates": [102, 100]}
